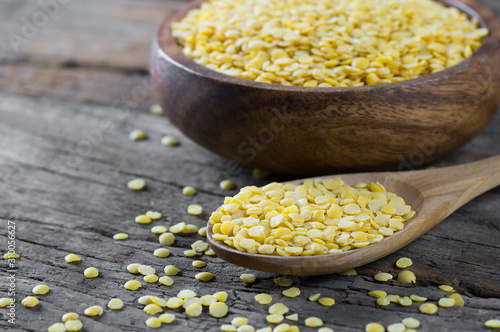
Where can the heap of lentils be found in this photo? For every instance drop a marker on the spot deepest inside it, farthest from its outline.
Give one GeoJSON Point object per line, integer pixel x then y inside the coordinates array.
{"type": "Point", "coordinates": [319, 216]}
{"type": "Point", "coordinates": [327, 43]}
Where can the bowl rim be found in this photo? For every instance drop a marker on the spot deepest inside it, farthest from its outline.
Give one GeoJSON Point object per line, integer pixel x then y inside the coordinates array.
{"type": "Point", "coordinates": [169, 50]}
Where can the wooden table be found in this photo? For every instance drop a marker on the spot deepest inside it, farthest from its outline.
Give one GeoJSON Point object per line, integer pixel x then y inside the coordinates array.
{"type": "Point", "coordinates": [73, 85]}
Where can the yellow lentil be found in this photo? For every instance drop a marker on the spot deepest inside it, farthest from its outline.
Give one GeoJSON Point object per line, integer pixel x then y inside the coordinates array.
{"type": "Point", "coordinates": [283, 282]}
{"type": "Point", "coordinates": [4, 301]}
{"type": "Point", "coordinates": [210, 252]}
{"type": "Point", "coordinates": [57, 327]}
{"type": "Point", "coordinates": [294, 317]}
{"type": "Point", "coordinates": [158, 229]}
{"type": "Point", "coordinates": [136, 184]}
{"type": "Point", "coordinates": [156, 109]}
{"type": "Point", "coordinates": [428, 308]}
{"type": "Point", "coordinates": [137, 135]}
{"type": "Point", "coordinates": [206, 300]}
{"type": "Point", "coordinates": [188, 191]}
{"type": "Point", "coordinates": [132, 285]}
{"type": "Point", "coordinates": [69, 316]}
{"type": "Point", "coordinates": [194, 310]}
{"type": "Point", "coordinates": [190, 253]}
{"type": "Point", "coordinates": [314, 297]}
{"type": "Point", "coordinates": [91, 272]}
{"type": "Point", "coordinates": [291, 292]}
{"type": "Point", "coordinates": [282, 328]}
{"type": "Point", "coordinates": [202, 231]}
{"type": "Point", "coordinates": [174, 302]}
{"type": "Point", "coordinates": [350, 272]}
{"type": "Point", "coordinates": [226, 185]}
{"type": "Point", "coordinates": [405, 301]}
{"type": "Point", "coordinates": [245, 328]}
{"type": "Point", "coordinates": [167, 318]}
{"type": "Point", "coordinates": [383, 276]}
{"type": "Point", "coordinates": [165, 280]}
{"type": "Point", "coordinates": [154, 215]}
{"type": "Point", "coordinates": [40, 289]}
{"type": "Point", "coordinates": [133, 268]}
{"type": "Point", "coordinates": [447, 289]}
{"type": "Point", "coordinates": [167, 239]}
{"type": "Point", "coordinates": [30, 302]}
{"type": "Point", "coordinates": [177, 228]}
{"type": "Point", "coordinates": [199, 264]}
{"type": "Point", "coordinates": [73, 325]}
{"type": "Point", "coordinates": [195, 209]}
{"type": "Point", "coordinates": [160, 302]}
{"type": "Point", "coordinates": [227, 328]}
{"type": "Point", "coordinates": [70, 258]}
{"type": "Point", "coordinates": [11, 256]}
{"type": "Point", "coordinates": [115, 304]}
{"type": "Point", "coordinates": [383, 301]}
{"type": "Point", "coordinates": [239, 321]}
{"type": "Point", "coordinates": [325, 329]}
{"type": "Point", "coordinates": [218, 309]}
{"type": "Point", "coordinates": [313, 322]}
{"type": "Point", "coordinates": [446, 302]}
{"type": "Point", "coordinates": [190, 229]}
{"type": "Point", "coordinates": [153, 322]}
{"type": "Point", "coordinates": [247, 277]}
{"type": "Point", "coordinates": [377, 293]}
{"type": "Point", "coordinates": [152, 309]}
{"type": "Point", "coordinates": [150, 278]}
{"type": "Point", "coordinates": [279, 309]}
{"type": "Point", "coordinates": [393, 298]}
{"type": "Point", "coordinates": [326, 301]}
{"type": "Point", "coordinates": [146, 269]}
{"type": "Point", "coordinates": [161, 252]}
{"type": "Point", "coordinates": [493, 323]}
{"type": "Point", "coordinates": [404, 262]}
{"type": "Point", "coordinates": [221, 296]}
{"type": "Point", "coordinates": [263, 298]}
{"type": "Point", "coordinates": [143, 219]}
{"type": "Point", "coordinates": [265, 329]}
{"type": "Point", "coordinates": [200, 246]}
{"type": "Point", "coordinates": [93, 311]}
{"type": "Point", "coordinates": [204, 276]}
{"type": "Point", "coordinates": [411, 323]}
{"type": "Point", "coordinates": [374, 327]}
{"type": "Point", "coordinates": [340, 45]}
{"type": "Point", "coordinates": [186, 294]}
{"type": "Point", "coordinates": [417, 298]}
{"type": "Point", "coordinates": [169, 141]}
{"type": "Point", "coordinates": [407, 277]}
{"type": "Point", "coordinates": [275, 318]}
{"type": "Point", "coordinates": [397, 327]}
{"type": "Point", "coordinates": [120, 236]}
{"type": "Point", "coordinates": [459, 301]}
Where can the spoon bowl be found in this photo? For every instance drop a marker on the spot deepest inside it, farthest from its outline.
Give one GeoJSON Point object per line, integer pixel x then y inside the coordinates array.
{"type": "Point", "coordinates": [432, 194]}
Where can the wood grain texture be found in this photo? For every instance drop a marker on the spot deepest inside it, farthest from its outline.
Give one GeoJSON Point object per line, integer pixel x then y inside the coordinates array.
{"type": "Point", "coordinates": [63, 201]}
{"type": "Point", "coordinates": [330, 129]}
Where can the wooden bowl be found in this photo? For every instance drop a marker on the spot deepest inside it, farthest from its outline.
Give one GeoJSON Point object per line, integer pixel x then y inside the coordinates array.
{"type": "Point", "coordinates": [301, 130]}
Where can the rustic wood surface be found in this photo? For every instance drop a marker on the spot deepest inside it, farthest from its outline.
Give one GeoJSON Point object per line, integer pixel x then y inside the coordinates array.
{"type": "Point", "coordinates": [71, 94]}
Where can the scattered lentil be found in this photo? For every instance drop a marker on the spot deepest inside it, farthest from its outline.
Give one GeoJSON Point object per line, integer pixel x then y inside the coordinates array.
{"type": "Point", "coordinates": [326, 301]}
{"type": "Point", "coordinates": [11, 255]}
{"type": "Point", "coordinates": [152, 309]}
{"type": "Point", "coordinates": [120, 236]}
{"type": "Point", "coordinates": [153, 322]}
{"type": "Point", "coordinates": [397, 327]}
{"type": "Point", "coordinates": [91, 272]}
{"type": "Point", "coordinates": [313, 322]}
{"type": "Point", "coordinates": [133, 268]}
{"type": "Point", "coordinates": [136, 184]}
{"type": "Point", "coordinates": [374, 327]}
{"type": "Point", "coordinates": [186, 294]}
{"type": "Point", "coordinates": [278, 308]}
{"type": "Point", "coordinates": [4, 301]}
{"type": "Point", "coordinates": [383, 301]}
{"type": "Point", "coordinates": [188, 191]}
{"type": "Point", "coordinates": [283, 282]}
{"type": "Point", "coordinates": [411, 323]}
{"type": "Point", "coordinates": [154, 215]}
{"type": "Point", "coordinates": [446, 302]}
{"type": "Point", "coordinates": [94, 311]}
{"type": "Point", "coordinates": [407, 277]}
{"type": "Point", "coordinates": [132, 285]}
{"type": "Point", "coordinates": [274, 318]}
{"type": "Point", "coordinates": [383, 276]}
{"type": "Point", "coordinates": [167, 281]}
{"type": "Point", "coordinates": [447, 289]}
{"type": "Point", "coordinates": [263, 298]}
{"type": "Point", "coordinates": [40, 289]}
{"type": "Point", "coordinates": [150, 278]}
{"type": "Point", "coordinates": [227, 328]}
{"type": "Point", "coordinates": [146, 269]}
{"type": "Point", "coordinates": [167, 318]}
{"type": "Point", "coordinates": [404, 262]}
{"type": "Point", "coordinates": [194, 310]}
{"type": "Point", "coordinates": [493, 323]}
{"type": "Point", "coordinates": [195, 209]}
{"type": "Point", "coordinates": [115, 304]}
{"type": "Point", "coordinates": [70, 316]}
{"type": "Point", "coordinates": [143, 219]}
{"type": "Point", "coordinates": [167, 239]}
{"type": "Point", "coordinates": [70, 258]}
{"type": "Point", "coordinates": [239, 321]}
{"type": "Point", "coordinates": [73, 325]}
{"type": "Point", "coordinates": [459, 301]}
{"type": "Point", "coordinates": [177, 228]}
{"type": "Point", "coordinates": [30, 302]}
{"type": "Point", "coordinates": [294, 317]}
{"type": "Point", "coordinates": [221, 296]}
{"type": "Point", "coordinates": [325, 329]}
{"type": "Point", "coordinates": [204, 276]}
{"type": "Point", "coordinates": [417, 298]}
{"type": "Point", "coordinates": [218, 309]}
{"type": "Point", "coordinates": [156, 109]}
{"type": "Point", "coordinates": [161, 252]}
{"type": "Point", "coordinates": [137, 135]}
{"type": "Point", "coordinates": [282, 328]}
{"type": "Point", "coordinates": [377, 293]}
{"type": "Point", "coordinates": [174, 303]}
{"type": "Point", "coordinates": [428, 308]}
{"type": "Point", "coordinates": [291, 292]}
{"type": "Point", "coordinates": [350, 272]}
{"type": "Point", "coordinates": [247, 277]}
{"type": "Point", "coordinates": [169, 141]}
{"type": "Point", "coordinates": [226, 185]}
{"type": "Point", "coordinates": [57, 327]}
{"type": "Point", "coordinates": [245, 328]}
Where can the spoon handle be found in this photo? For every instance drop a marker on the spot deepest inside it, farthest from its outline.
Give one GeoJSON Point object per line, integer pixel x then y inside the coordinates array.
{"type": "Point", "coordinates": [456, 184]}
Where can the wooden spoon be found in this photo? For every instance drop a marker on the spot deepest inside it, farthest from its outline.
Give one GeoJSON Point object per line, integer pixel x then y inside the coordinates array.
{"type": "Point", "coordinates": [433, 194]}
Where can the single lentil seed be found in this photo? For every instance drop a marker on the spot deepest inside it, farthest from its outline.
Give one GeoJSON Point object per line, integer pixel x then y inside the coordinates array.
{"type": "Point", "coordinates": [313, 322]}
{"type": "Point", "coordinates": [459, 301]}
{"type": "Point", "coordinates": [115, 304]}
{"type": "Point", "coordinates": [120, 236]}
{"type": "Point", "coordinates": [137, 135]}
{"type": "Point", "coordinates": [350, 272]}
{"type": "Point", "coordinates": [186, 294]}
{"type": "Point", "coordinates": [156, 109]}
{"type": "Point", "coordinates": [397, 327]}
{"type": "Point", "coordinates": [404, 262]}
{"type": "Point", "coordinates": [407, 277]}
{"type": "Point", "coordinates": [284, 282]}
{"type": "Point", "coordinates": [226, 185]}
{"type": "Point", "coordinates": [263, 298]}
{"type": "Point", "coordinates": [143, 219]}
{"type": "Point", "coordinates": [383, 301]}
{"type": "Point", "coordinates": [169, 141]}
{"type": "Point", "coordinates": [11, 255]}
{"type": "Point", "coordinates": [199, 264]}
{"type": "Point", "coordinates": [278, 308]}
{"type": "Point", "coordinates": [94, 311]}
{"type": "Point", "coordinates": [325, 329]}
{"type": "Point", "coordinates": [167, 318]}
{"type": "Point", "coordinates": [283, 327]}
{"type": "Point", "coordinates": [30, 302]}
{"type": "Point", "coordinates": [274, 318]}
{"type": "Point", "coordinates": [132, 285]}
{"type": "Point", "coordinates": [167, 239]}
{"type": "Point", "coordinates": [314, 297]}
{"type": "Point", "coordinates": [291, 292]}
{"type": "Point", "coordinates": [161, 252]}
{"type": "Point", "coordinates": [73, 325]}
{"type": "Point", "coordinates": [218, 309]}
{"type": "Point", "coordinates": [4, 301]}
{"type": "Point", "coordinates": [70, 258]}
{"type": "Point", "coordinates": [150, 278]}
{"type": "Point", "coordinates": [245, 328]}
{"type": "Point", "coordinates": [202, 231]}
{"type": "Point", "coordinates": [204, 276]}
{"type": "Point", "coordinates": [177, 228]}
{"type": "Point", "coordinates": [153, 322]}
{"type": "Point", "coordinates": [447, 289]}
{"type": "Point", "coordinates": [57, 327]}
{"type": "Point", "coordinates": [146, 269]}
{"type": "Point", "coordinates": [374, 327]}
{"type": "Point", "coordinates": [493, 323]}
{"type": "Point", "coordinates": [174, 303]}
{"type": "Point", "coordinates": [152, 309]}
{"type": "Point", "coordinates": [154, 215]}
{"type": "Point", "coordinates": [188, 191]}
{"type": "Point", "coordinates": [446, 302]}
{"type": "Point", "coordinates": [411, 323]}
{"type": "Point", "coordinates": [167, 281]}
{"type": "Point", "coordinates": [40, 289]}
{"type": "Point", "coordinates": [70, 316]}
{"type": "Point", "coordinates": [195, 209]}
{"type": "Point", "coordinates": [227, 328]}
{"type": "Point", "coordinates": [221, 296]}
{"type": "Point", "coordinates": [326, 301]}
{"type": "Point", "coordinates": [247, 277]}
{"type": "Point", "coordinates": [417, 298]}
{"type": "Point", "coordinates": [428, 308]}
{"type": "Point", "coordinates": [239, 321]}
{"type": "Point", "coordinates": [158, 229]}
{"type": "Point", "coordinates": [194, 310]}
{"type": "Point", "coordinates": [136, 184]}
{"type": "Point", "coordinates": [405, 301]}
{"type": "Point", "coordinates": [377, 293]}
{"type": "Point", "coordinates": [294, 317]}
{"type": "Point", "coordinates": [210, 252]}
{"type": "Point", "coordinates": [133, 268]}
{"type": "Point", "coordinates": [383, 276]}
{"type": "Point", "coordinates": [91, 272]}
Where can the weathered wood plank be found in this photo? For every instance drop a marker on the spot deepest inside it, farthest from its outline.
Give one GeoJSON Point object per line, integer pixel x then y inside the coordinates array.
{"type": "Point", "coordinates": [78, 209]}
